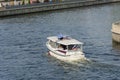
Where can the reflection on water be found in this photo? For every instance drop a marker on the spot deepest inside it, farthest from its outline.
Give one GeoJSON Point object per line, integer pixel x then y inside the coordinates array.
{"type": "Point", "coordinates": [116, 45]}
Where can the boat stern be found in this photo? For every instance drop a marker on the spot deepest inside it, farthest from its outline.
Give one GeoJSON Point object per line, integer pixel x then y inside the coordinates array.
{"type": "Point", "coordinates": [75, 56]}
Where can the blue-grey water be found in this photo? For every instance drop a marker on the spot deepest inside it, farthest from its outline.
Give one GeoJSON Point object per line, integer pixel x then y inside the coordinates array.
{"type": "Point", "coordinates": [23, 51]}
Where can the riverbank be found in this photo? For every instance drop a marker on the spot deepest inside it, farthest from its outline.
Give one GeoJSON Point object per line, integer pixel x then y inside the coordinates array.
{"type": "Point", "coordinates": [38, 7]}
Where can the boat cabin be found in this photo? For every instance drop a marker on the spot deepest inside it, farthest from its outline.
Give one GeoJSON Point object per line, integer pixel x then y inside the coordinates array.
{"type": "Point", "coordinates": [65, 43]}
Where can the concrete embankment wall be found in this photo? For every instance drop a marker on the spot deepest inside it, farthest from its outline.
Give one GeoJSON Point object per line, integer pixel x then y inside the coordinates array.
{"type": "Point", "coordinates": [116, 31]}
{"type": "Point", "coordinates": [50, 6]}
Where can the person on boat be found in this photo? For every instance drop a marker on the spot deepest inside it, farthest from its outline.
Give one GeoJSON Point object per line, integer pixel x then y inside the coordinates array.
{"type": "Point", "coordinates": [63, 47]}
{"type": "Point", "coordinates": [75, 47]}
{"type": "Point", "coordinates": [60, 36]}
{"type": "Point", "coordinates": [60, 47]}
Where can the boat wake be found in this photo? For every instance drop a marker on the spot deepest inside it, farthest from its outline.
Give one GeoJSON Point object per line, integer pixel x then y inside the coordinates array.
{"type": "Point", "coordinates": [80, 62]}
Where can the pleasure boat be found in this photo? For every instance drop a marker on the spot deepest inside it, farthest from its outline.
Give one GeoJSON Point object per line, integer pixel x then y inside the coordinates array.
{"type": "Point", "coordinates": [65, 48]}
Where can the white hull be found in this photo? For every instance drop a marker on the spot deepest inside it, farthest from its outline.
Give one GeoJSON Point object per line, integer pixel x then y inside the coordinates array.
{"type": "Point", "coordinates": [68, 58]}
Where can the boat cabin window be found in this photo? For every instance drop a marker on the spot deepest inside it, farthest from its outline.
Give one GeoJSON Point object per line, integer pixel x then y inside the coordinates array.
{"type": "Point", "coordinates": [53, 44]}
{"type": "Point", "coordinates": [61, 46]}
{"type": "Point", "coordinates": [74, 47]}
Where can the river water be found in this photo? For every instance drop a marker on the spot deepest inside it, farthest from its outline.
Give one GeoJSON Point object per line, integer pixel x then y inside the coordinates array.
{"type": "Point", "coordinates": [23, 51]}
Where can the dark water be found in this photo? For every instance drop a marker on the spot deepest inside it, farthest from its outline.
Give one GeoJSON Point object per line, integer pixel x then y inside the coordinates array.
{"type": "Point", "coordinates": [23, 51]}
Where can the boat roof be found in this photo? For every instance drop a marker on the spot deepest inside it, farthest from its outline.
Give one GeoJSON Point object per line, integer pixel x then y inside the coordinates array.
{"type": "Point", "coordinates": [64, 41]}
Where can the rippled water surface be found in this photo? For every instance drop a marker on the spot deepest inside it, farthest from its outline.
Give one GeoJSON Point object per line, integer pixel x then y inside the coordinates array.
{"type": "Point", "coordinates": [23, 51]}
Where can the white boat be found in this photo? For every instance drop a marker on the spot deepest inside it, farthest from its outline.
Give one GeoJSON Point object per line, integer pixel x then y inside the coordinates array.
{"type": "Point", "coordinates": [65, 48]}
